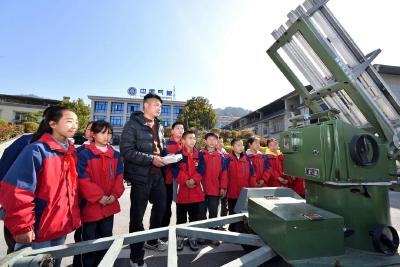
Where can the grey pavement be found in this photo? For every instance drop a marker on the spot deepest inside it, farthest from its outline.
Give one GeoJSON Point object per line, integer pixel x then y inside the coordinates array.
{"type": "Point", "coordinates": [207, 255]}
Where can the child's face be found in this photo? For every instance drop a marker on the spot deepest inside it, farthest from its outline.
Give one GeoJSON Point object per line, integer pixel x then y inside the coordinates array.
{"type": "Point", "coordinates": [66, 126]}
{"type": "Point", "coordinates": [273, 145]}
{"type": "Point", "coordinates": [102, 138]}
{"type": "Point", "coordinates": [211, 142]}
{"type": "Point", "coordinates": [220, 144]}
{"type": "Point", "coordinates": [177, 131]}
{"type": "Point", "coordinates": [88, 133]}
{"type": "Point", "coordinates": [189, 141]}
{"type": "Point", "coordinates": [238, 147]}
{"type": "Point", "coordinates": [255, 145]}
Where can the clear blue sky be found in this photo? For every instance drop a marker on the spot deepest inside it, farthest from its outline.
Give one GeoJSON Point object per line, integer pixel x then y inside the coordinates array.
{"type": "Point", "coordinates": [212, 48]}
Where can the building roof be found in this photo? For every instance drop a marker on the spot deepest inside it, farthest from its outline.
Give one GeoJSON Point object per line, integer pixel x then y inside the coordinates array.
{"type": "Point", "coordinates": [271, 108]}
{"type": "Point", "coordinates": [127, 99]}
{"type": "Point", "coordinates": [29, 100]}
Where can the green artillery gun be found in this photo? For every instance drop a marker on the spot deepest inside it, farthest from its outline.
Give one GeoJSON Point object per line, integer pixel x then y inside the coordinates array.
{"type": "Point", "coordinates": [347, 155]}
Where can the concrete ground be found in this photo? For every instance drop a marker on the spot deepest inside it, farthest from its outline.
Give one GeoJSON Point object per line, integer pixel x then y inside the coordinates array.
{"type": "Point", "coordinates": [207, 256]}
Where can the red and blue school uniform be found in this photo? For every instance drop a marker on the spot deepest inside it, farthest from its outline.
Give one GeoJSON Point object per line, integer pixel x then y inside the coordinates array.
{"type": "Point", "coordinates": [189, 200]}
{"type": "Point", "coordinates": [214, 175]}
{"type": "Point", "coordinates": [261, 166]}
{"type": "Point", "coordinates": [172, 147]}
{"type": "Point", "coordinates": [240, 174]}
{"type": "Point", "coordinates": [40, 191]}
{"type": "Point", "coordinates": [276, 160]}
{"type": "Point", "coordinates": [100, 173]}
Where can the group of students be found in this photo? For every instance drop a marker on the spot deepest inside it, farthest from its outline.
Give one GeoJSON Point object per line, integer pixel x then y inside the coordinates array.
{"type": "Point", "coordinates": [49, 189]}
{"type": "Point", "coordinates": [209, 177]}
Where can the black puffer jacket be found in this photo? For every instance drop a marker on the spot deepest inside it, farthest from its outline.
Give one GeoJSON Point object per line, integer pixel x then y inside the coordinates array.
{"type": "Point", "coordinates": [137, 147]}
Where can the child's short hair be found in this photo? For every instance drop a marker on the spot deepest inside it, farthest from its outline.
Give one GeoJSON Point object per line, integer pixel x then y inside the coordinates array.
{"type": "Point", "coordinates": [101, 126]}
{"type": "Point", "coordinates": [234, 140]}
{"type": "Point", "coordinates": [187, 133]}
{"type": "Point", "coordinates": [251, 140]}
{"type": "Point", "coordinates": [210, 134]}
{"type": "Point", "coordinates": [176, 123]}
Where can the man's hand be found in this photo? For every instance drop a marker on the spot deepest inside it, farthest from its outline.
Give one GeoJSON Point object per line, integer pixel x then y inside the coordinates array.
{"type": "Point", "coordinates": [25, 238]}
{"type": "Point", "coordinates": [157, 161]}
{"type": "Point", "coordinates": [283, 180]}
{"type": "Point", "coordinates": [103, 201]}
{"type": "Point", "coordinates": [222, 192]}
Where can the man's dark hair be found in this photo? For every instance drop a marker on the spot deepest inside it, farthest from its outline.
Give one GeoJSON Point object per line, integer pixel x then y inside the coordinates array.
{"type": "Point", "coordinates": [271, 140]}
{"type": "Point", "coordinates": [151, 95]}
{"type": "Point", "coordinates": [187, 133]}
{"type": "Point", "coordinates": [210, 134]}
{"type": "Point", "coordinates": [176, 123]}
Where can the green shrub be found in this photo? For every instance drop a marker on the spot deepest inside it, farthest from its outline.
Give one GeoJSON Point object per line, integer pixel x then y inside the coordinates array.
{"type": "Point", "coordinates": [10, 131]}
{"type": "Point", "coordinates": [30, 126]}
{"type": "Point", "coordinates": [3, 122]}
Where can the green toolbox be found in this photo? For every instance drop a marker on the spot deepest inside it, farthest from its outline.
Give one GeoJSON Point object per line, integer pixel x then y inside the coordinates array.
{"type": "Point", "coordinates": [294, 229]}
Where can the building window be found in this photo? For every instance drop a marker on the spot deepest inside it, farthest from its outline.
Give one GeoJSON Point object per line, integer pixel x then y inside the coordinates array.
{"type": "Point", "coordinates": [166, 122]}
{"type": "Point", "coordinates": [100, 106]}
{"type": "Point", "coordinates": [99, 118]}
{"type": "Point", "coordinates": [278, 125]}
{"type": "Point", "coordinates": [133, 107]}
{"type": "Point", "coordinates": [116, 121]}
{"type": "Point", "coordinates": [166, 110]}
{"type": "Point", "coordinates": [117, 107]}
{"type": "Point", "coordinates": [21, 116]}
{"type": "Point", "coordinates": [177, 110]}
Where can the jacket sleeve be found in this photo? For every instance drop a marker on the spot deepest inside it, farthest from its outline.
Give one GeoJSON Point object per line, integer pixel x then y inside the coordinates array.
{"type": "Point", "coordinates": [11, 153]}
{"type": "Point", "coordinates": [182, 176]}
{"type": "Point", "coordinates": [87, 189]}
{"type": "Point", "coordinates": [119, 188]}
{"type": "Point", "coordinates": [200, 170]}
{"type": "Point", "coordinates": [223, 177]}
{"type": "Point", "coordinates": [17, 191]}
{"type": "Point", "coordinates": [267, 170]}
{"type": "Point", "coordinates": [128, 147]}
{"type": "Point", "coordinates": [252, 178]}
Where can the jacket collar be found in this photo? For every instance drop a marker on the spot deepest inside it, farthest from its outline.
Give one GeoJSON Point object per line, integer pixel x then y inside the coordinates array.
{"type": "Point", "coordinates": [269, 152]}
{"type": "Point", "coordinates": [92, 147]}
{"type": "Point", "coordinates": [139, 116]}
{"type": "Point", "coordinates": [233, 156]}
{"type": "Point", "coordinates": [252, 154]}
{"type": "Point", "coordinates": [186, 153]}
{"type": "Point", "coordinates": [54, 145]}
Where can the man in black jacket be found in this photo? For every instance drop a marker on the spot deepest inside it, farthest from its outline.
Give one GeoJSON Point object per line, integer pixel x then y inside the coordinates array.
{"type": "Point", "coordinates": [142, 144]}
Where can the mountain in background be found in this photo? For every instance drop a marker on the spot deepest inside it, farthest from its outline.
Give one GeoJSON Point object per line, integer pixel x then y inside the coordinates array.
{"type": "Point", "coordinates": [232, 111]}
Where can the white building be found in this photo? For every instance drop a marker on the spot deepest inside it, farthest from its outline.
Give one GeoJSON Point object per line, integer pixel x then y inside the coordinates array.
{"type": "Point", "coordinates": [117, 110]}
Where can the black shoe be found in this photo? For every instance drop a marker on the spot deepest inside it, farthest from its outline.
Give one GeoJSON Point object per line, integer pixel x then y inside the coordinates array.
{"type": "Point", "coordinates": [193, 244]}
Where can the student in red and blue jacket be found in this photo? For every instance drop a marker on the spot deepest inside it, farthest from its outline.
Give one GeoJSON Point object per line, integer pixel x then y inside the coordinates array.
{"type": "Point", "coordinates": [276, 158]}
{"type": "Point", "coordinates": [278, 177]}
{"type": "Point", "coordinates": [40, 190]}
{"type": "Point", "coordinates": [100, 185]}
{"type": "Point", "coordinates": [240, 175]}
{"type": "Point", "coordinates": [173, 145]}
{"type": "Point", "coordinates": [260, 161]}
{"type": "Point", "coordinates": [215, 172]}
{"type": "Point", "coordinates": [190, 194]}
{"type": "Point", "coordinates": [224, 154]}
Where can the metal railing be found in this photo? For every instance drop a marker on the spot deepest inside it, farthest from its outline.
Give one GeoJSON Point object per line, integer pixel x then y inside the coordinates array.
{"type": "Point", "coordinates": [114, 244]}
